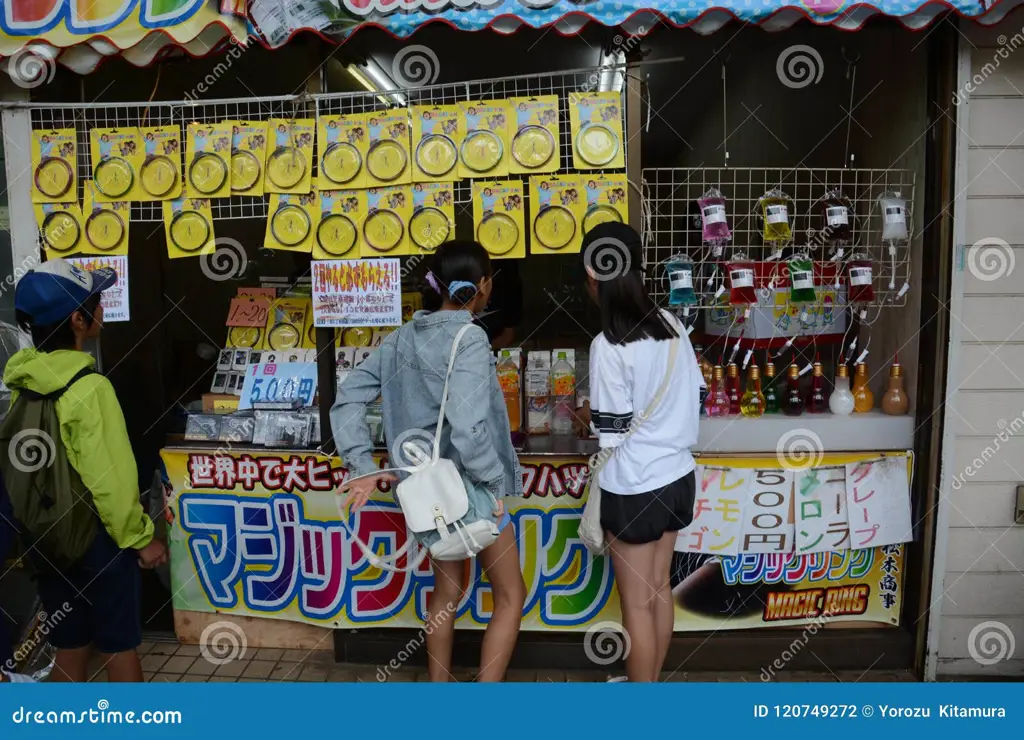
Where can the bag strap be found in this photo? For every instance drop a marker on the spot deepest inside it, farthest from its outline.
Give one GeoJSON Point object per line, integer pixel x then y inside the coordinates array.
{"type": "Point", "coordinates": [444, 393]}
{"type": "Point", "coordinates": [54, 395]}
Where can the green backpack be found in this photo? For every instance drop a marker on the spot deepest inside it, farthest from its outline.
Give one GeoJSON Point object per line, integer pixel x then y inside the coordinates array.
{"type": "Point", "coordinates": [53, 508]}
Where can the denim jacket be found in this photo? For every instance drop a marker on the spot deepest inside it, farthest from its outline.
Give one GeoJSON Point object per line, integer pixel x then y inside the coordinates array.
{"type": "Point", "coordinates": [407, 371]}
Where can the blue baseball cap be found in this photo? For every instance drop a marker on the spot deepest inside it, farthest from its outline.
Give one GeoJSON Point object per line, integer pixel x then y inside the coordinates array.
{"type": "Point", "coordinates": [56, 289]}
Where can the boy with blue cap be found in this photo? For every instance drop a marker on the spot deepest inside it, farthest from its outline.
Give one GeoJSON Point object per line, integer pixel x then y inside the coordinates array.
{"type": "Point", "coordinates": [97, 594]}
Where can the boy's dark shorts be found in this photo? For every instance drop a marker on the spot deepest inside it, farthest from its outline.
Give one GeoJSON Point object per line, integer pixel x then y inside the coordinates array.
{"type": "Point", "coordinates": [95, 601]}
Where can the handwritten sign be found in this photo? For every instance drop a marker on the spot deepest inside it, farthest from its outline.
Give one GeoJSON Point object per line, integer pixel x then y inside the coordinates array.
{"type": "Point", "coordinates": [357, 292]}
{"type": "Point", "coordinates": [283, 382]}
{"type": "Point", "coordinates": [248, 312]}
{"type": "Point", "coordinates": [717, 512]}
{"type": "Point", "coordinates": [116, 306]}
{"type": "Point", "coordinates": [822, 524]}
{"type": "Point", "coordinates": [767, 517]}
{"type": "Point", "coordinates": [878, 500]}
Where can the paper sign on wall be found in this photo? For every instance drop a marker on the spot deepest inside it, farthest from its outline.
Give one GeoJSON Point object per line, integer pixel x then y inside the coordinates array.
{"type": "Point", "coordinates": [114, 299]}
{"type": "Point", "coordinates": [357, 292]}
{"type": "Point", "coordinates": [717, 512]}
{"type": "Point", "coordinates": [281, 382]}
{"type": "Point", "coordinates": [767, 517]}
{"type": "Point", "coordinates": [878, 500]}
{"type": "Point", "coordinates": [822, 524]}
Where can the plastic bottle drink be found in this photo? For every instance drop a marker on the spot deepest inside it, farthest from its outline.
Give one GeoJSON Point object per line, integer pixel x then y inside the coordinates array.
{"type": "Point", "coordinates": [563, 388]}
{"type": "Point", "coordinates": [508, 378]}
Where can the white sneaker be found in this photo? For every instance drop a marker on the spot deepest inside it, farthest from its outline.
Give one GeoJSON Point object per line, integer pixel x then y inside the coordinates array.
{"type": "Point", "coordinates": [19, 677]}
{"type": "Point", "coordinates": [618, 679]}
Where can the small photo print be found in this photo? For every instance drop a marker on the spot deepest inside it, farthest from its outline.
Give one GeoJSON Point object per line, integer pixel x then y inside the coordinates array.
{"type": "Point", "coordinates": [241, 359]}
{"type": "Point", "coordinates": [220, 382]}
{"type": "Point", "coordinates": [224, 359]}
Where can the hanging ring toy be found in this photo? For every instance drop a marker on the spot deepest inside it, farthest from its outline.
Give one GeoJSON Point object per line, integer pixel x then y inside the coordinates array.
{"type": "Point", "coordinates": [113, 177]}
{"type": "Point", "coordinates": [429, 228]}
{"type": "Point", "coordinates": [498, 233]}
{"type": "Point", "coordinates": [533, 146]}
{"type": "Point", "coordinates": [104, 230]}
{"type": "Point", "coordinates": [245, 171]}
{"type": "Point", "coordinates": [336, 234]}
{"type": "Point", "coordinates": [600, 215]}
{"type": "Point", "coordinates": [290, 225]}
{"type": "Point", "coordinates": [554, 227]}
{"type": "Point", "coordinates": [341, 163]}
{"type": "Point", "coordinates": [189, 231]}
{"type": "Point", "coordinates": [386, 160]}
{"type": "Point", "coordinates": [482, 150]}
{"type": "Point", "coordinates": [207, 173]}
{"type": "Point", "coordinates": [60, 231]}
{"type": "Point", "coordinates": [286, 167]}
{"type": "Point", "coordinates": [383, 230]}
{"type": "Point", "coordinates": [158, 175]}
{"type": "Point", "coordinates": [597, 144]}
{"type": "Point", "coordinates": [436, 155]}
{"type": "Point", "coordinates": [53, 177]}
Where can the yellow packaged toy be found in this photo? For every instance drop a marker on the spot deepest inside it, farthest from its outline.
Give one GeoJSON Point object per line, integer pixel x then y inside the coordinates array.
{"type": "Point", "coordinates": [484, 150]}
{"type": "Point", "coordinates": [342, 145]}
{"type": "Point", "coordinates": [55, 177]}
{"type": "Point", "coordinates": [385, 228]}
{"type": "Point", "coordinates": [160, 175]}
{"type": "Point", "coordinates": [535, 138]}
{"type": "Point", "coordinates": [498, 218]}
{"type": "Point", "coordinates": [116, 156]}
{"type": "Point", "coordinates": [285, 324]}
{"type": "Point", "coordinates": [436, 138]}
{"type": "Point", "coordinates": [387, 159]}
{"type": "Point", "coordinates": [556, 212]}
{"type": "Point", "coordinates": [248, 153]}
{"type": "Point", "coordinates": [339, 232]}
{"type": "Point", "coordinates": [290, 160]}
{"type": "Point", "coordinates": [188, 225]}
{"type": "Point", "coordinates": [207, 160]}
{"type": "Point", "coordinates": [607, 199]}
{"type": "Point", "coordinates": [292, 222]}
{"type": "Point", "coordinates": [595, 120]}
{"type": "Point", "coordinates": [106, 225]}
{"type": "Point", "coordinates": [60, 228]}
{"type": "Point", "coordinates": [433, 215]}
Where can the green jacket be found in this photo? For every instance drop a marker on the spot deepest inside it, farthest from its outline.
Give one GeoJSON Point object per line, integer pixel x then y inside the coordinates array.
{"type": "Point", "coordinates": [94, 435]}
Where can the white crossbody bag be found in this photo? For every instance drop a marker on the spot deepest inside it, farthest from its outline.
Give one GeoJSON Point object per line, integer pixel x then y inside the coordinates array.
{"type": "Point", "coordinates": [435, 502]}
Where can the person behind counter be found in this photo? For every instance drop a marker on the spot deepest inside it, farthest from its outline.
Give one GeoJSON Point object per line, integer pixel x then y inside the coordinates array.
{"type": "Point", "coordinates": [640, 363]}
{"type": "Point", "coordinates": [504, 309]}
{"type": "Point", "coordinates": [408, 372]}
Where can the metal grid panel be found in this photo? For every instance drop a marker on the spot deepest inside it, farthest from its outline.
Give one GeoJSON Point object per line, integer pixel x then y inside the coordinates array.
{"type": "Point", "coordinates": [673, 222]}
{"type": "Point", "coordinates": [85, 117]}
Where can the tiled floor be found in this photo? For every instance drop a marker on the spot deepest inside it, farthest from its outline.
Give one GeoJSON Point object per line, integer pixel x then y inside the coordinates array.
{"type": "Point", "coordinates": [170, 661]}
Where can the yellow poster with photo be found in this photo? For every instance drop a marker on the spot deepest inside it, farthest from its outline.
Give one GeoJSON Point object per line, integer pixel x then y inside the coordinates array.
{"type": "Point", "coordinates": [340, 231]}
{"type": "Point", "coordinates": [188, 226]}
{"type": "Point", "coordinates": [285, 323]}
{"type": "Point", "coordinates": [595, 124]}
{"type": "Point", "coordinates": [485, 151]}
{"type": "Point", "coordinates": [556, 214]}
{"type": "Point", "coordinates": [116, 154]}
{"type": "Point", "coordinates": [387, 158]}
{"type": "Point", "coordinates": [342, 145]}
{"type": "Point", "coordinates": [436, 138]}
{"type": "Point", "coordinates": [289, 165]}
{"type": "Point", "coordinates": [386, 226]}
{"type": "Point", "coordinates": [160, 174]}
{"type": "Point", "coordinates": [534, 144]}
{"type": "Point", "coordinates": [248, 154]}
{"type": "Point", "coordinates": [433, 216]}
{"type": "Point", "coordinates": [60, 228]}
{"type": "Point", "coordinates": [54, 166]}
{"type": "Point", "coordinates": [499, 220]}
{"type": "Point", "coordinates": [607, 199]}
{"type": "Point", "coordinates": [105, 225]}
{"type": "Point", "coordinates": [292, 221]}
{"type": "Point", "coordinates": [208, 160]}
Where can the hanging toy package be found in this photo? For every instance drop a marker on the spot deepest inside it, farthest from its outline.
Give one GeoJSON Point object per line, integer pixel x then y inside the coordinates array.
{"type": "Point", "coordinates": [775, 207]}
{"type": "Point", "coordinates": [714, 222]}
{"type": "Point", "coordinates": [860, 274]}
{"type": "Point", "coordinates": [680, 282]}
{"type": "Point", "coordinates": [838, 217]}
{"type": "Point", "coordinates": [741, 280]}
{"type": "Point", "coordinates": [801, 280]}
{"type": "Point", "coordinates": [894, 217]}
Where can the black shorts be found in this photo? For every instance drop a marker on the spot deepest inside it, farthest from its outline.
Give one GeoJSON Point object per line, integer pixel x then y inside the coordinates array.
{"type": "Point", "coordinates": [640, 518]}
{"type": "Point", "coordinates": [96, 600]}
